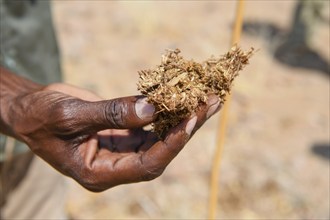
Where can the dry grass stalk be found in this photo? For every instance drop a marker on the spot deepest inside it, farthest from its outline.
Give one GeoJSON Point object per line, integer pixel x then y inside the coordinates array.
{"type": "Point", "coordinates": [177, 86]}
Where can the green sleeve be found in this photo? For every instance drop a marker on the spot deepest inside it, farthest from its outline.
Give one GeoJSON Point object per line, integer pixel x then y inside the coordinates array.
{"type": "Point", "coordinates": [28, 47]}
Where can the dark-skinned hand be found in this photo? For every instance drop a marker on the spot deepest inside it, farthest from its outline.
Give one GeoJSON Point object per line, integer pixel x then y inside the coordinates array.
{"type": "Point", "coordinates": [99, 143]}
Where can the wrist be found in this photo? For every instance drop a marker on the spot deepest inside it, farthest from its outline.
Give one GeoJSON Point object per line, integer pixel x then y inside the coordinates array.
{"type": "Point", "coordinates": [12, 87]}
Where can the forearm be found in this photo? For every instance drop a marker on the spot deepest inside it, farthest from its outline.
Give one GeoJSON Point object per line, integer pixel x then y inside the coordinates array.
{"type": "Point", "coordinates": [12, 87]}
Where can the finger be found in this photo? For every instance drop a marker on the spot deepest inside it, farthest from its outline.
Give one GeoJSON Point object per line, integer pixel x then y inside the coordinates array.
{"type": "Point", "coordinates": [150, 140]}
{"type": "Point", "coordinates": [162, 153]}
{"type": "Point", "coordinates": [206, 111]}
{"type": "Point", "coordinates": [151, 164]}
{"type": "Point", "coordinates": [112, 169]}
{"type": "Point", "coordinates": [121, 113]}
{"type": "Point", "coordinates": [90, 151]}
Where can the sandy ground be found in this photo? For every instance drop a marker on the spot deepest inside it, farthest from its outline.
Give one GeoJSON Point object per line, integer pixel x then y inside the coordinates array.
{"type": "Point", "coordinates": [276, 157]}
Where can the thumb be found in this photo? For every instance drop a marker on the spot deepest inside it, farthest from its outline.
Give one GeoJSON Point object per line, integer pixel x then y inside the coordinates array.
{"type": "Point", "coordinates": [120, 113]}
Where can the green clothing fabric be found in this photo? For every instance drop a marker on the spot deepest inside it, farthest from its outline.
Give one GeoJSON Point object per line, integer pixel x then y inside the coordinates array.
{"type": "Point", "coordinates": [28, 46]}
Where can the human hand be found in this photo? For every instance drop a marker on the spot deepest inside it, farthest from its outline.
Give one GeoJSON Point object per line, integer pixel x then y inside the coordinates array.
{"type": "Point", "coordinates": [99, 143]}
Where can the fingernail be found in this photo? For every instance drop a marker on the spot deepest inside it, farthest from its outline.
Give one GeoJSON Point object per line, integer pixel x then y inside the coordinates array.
{"type": "Point", "coordinates": [191, 125]}
{"type": "Point", "coordinates": [214, 107]}
{"type": "Point", "coordinates": [143, 109]}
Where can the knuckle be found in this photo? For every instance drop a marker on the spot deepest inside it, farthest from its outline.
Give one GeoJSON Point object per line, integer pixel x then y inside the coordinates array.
{"type": "Point", "coordinates": [63, 110]}
{"type": "Point", "coordinates": [152, 173]}
{"type": "Point", "coordinates": [89, 181]}
{"type": "Point", "coordinates": [115, 113]}
{"type": "Point", "coordinates": [150, 169]}
{"type": "Point", "coordinates": [93, 188]}
{"type": "Point", "coordinates": [57, 114]}
{"type": "Point", "coordinates": [63, 115]}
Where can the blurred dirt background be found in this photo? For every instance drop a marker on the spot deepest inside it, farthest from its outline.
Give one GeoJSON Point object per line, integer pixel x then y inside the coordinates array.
{"type": "Point", "coordinates": [276, 157]}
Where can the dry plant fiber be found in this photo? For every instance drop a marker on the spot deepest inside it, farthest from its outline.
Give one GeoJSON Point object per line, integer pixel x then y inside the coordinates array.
{"type": "Point", "coordinates": [178, 86]}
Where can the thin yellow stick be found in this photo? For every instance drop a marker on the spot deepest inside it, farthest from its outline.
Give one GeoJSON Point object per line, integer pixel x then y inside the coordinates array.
{"type": "Point", "coordinates": [213, 197]}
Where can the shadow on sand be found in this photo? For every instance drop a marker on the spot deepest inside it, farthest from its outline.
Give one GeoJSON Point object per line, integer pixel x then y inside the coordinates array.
{"type": "Point", "coordinates": [291, 47]}
{"type": "Point", "coordinates": [321, 150]}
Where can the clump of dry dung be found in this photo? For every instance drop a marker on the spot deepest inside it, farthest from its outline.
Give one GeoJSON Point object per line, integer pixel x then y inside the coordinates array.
{"type": "Point", "coordinates": [177, 86]}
